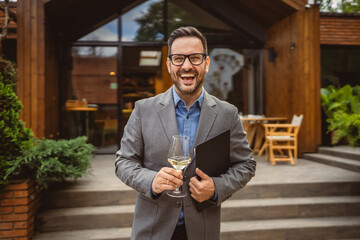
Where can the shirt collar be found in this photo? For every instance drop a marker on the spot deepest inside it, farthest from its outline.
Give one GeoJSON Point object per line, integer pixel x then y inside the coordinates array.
{"type": "Point", "coordinates": [177, 99]}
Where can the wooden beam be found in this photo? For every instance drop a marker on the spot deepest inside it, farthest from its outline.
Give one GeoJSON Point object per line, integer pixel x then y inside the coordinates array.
{"type": "Point", "coordinates": [295, 4]}
{"type": "Point", "coordinates": [224, 12]}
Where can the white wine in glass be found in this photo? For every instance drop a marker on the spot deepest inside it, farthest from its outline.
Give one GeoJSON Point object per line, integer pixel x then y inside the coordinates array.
{"type": "Point", "coordinates": [179, 157]}
{"type": "Point", "coordinates": [179, 162]}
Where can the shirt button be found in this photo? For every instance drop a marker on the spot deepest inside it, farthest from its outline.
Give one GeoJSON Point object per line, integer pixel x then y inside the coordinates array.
{"type": "Point", "coordinates": [187, 117]}
{"type": "Point", "coordinates": [178, 204]}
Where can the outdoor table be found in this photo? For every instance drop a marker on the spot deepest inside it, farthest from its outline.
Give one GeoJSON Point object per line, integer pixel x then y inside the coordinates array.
{"type": "Point", "coordinates": [84, 126]}
{"type": "Point", "coordinates": [255, 130]}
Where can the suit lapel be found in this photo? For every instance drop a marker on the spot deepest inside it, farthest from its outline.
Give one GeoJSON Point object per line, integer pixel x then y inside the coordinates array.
{"type": "Point", "coordinates": [167, 114]}
{"type": "Point", "coordinates": [206, 121]}
{"type": "Point", "coordinates": [207, 118]}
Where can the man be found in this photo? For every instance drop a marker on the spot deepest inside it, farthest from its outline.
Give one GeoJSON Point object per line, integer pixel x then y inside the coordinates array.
{"type": "Point", "coordinates": [185, 109]}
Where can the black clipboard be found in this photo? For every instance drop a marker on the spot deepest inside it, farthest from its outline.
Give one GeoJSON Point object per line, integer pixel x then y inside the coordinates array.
{"type": "Point", "coordinates": [213, 158]}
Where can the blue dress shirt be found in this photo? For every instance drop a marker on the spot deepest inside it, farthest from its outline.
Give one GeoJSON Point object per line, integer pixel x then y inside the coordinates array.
{"type": "Point", "coordinates": [187, 122]}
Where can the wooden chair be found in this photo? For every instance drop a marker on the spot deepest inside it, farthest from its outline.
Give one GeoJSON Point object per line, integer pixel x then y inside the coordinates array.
{"type": "Point", "coordinates": [281, 141]}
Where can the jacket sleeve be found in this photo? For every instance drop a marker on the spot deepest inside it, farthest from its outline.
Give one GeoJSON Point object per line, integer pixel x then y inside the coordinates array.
{"type": "Point", "coordinates": [128, 164]}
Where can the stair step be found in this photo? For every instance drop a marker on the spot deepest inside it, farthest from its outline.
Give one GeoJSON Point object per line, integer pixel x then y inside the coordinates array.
{"type": "Point", "coordinates": [68, 219]}
{"type": "Point", "coordinates": [344, 163]}
{"type": "Point", "coordinates": [342, 151]}
{"type": "Point", "coordinates": [279, 229]}
{"type": "Point", "coordinates": [294, 229]}
{"type": "Point", "coordinates": [339, 187]}
{"type": "Point", "coordinates": [89, 198]}
{"type": "Point", "coordinates": [306, 207]}
{"type": "Point", "coordinates": [90, 234]}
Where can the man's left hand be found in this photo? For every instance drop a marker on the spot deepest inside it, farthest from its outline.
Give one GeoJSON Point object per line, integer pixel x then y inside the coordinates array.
{"type": "Point", "coordinates": [202, 190]}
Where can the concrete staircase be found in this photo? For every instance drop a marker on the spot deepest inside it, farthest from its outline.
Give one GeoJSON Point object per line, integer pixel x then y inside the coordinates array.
{"type": "Point", "coordinates": [345, 157]}
{"type": "Point", "coordinates": [304, 210]}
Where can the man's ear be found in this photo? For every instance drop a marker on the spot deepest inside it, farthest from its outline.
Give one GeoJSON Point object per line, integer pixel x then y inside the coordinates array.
{"type": "Point", "coordinates": [207, 64]}
{"type": "Point", "coordinates": [168, 64]}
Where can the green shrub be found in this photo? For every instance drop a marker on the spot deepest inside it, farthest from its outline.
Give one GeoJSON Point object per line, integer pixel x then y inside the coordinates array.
{"type": "Point", "coordinates": [347, 126]}
{"type": "Point", "coordinates": [342, 107]}
{"type": "Point", "coordinates": [51, 161]}
{"type": "Point", "coordinates": [14, 137]}
{"type": "Point", "coordinates": [22, 155]}
{"type": "Point", "coordinates": [8, 72]}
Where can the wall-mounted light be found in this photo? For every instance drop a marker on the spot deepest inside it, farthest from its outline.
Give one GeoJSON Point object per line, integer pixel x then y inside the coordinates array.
{"type": "Point", "coordinates": [112, 73]}
{"type": "Point", "coordinates": [272, 54]}
{"type": "Point", "coordinates": [292, 46]}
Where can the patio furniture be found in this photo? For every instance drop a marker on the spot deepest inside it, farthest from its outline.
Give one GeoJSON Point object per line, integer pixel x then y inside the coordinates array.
{"type": "Point", "coordinates": [281, 141]}
{"type": "Point", "coordinates": [253, 125]}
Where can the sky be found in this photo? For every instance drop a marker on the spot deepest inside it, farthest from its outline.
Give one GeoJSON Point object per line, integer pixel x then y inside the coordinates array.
{"type": "Point", "coordinates": [109, 31]}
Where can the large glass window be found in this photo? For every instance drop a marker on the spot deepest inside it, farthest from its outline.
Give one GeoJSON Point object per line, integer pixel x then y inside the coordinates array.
{"type": "Point", "coordinates": [186, 13]}
{"type": "Point", "coordinates": [107, 32]}
{"type": "Point", "coordinates": [93, 94]}
{"type": "Point", "coordinates": [144, 23]}
{"type": "Point", "coordinates": [106, 94]}
{"type": "Point", "coordinates": [340, 66]}
{"type": "Point", "coordinates": [224, 79]}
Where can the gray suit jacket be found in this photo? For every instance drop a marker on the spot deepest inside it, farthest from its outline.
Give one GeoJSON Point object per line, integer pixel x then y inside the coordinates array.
{"type": "Point", "coordinates": [144, 149]}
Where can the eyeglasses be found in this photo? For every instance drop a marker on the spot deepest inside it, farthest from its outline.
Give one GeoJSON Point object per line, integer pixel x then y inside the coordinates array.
{"type": "Point", "coordinates": [179, 59]}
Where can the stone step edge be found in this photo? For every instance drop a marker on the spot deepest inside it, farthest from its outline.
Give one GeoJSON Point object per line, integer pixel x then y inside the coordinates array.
{"type": "Point", "coordinates": [348, 164]}
{"type": "Point", "coordinates": [101, 210]}
{"type": "Point", "coordinates": [226, 227]}
{"type": "Point", "coordinates": [334, 158]}
{"type": "Point", "coordinates": [251, 184]}
{"type": "Point", "coordinates": [91, 234]}
{"type": "Point", "coordinates": [354, 153]}
{"type": "Point", "coordinates": [337, 187]}
{"type": "Point", "coordinates": [296, 223]}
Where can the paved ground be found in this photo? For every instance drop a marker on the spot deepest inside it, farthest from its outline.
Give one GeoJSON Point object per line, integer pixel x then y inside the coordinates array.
{"type": "Point", "coordinates": [103, 174]}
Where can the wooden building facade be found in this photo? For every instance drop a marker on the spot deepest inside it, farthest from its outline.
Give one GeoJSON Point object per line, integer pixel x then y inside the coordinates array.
{"type": "Point", "coordinates": [291, 77]}
{"type": "Point", "coordinates": [340, 29]}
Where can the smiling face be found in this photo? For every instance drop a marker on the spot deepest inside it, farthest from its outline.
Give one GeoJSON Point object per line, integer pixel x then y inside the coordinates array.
{"type": "Point", "coordinates": [188, 79]}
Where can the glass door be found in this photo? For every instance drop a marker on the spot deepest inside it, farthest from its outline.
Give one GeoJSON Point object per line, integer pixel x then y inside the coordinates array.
{"type": "Point", "coordinates": [141, 72]}
{"type": "Point", "coordinates": [91, 98]}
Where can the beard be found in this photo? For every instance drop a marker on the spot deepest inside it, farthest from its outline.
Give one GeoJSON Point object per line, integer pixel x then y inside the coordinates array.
{"type": "Point", "coordinates": [183, 88]}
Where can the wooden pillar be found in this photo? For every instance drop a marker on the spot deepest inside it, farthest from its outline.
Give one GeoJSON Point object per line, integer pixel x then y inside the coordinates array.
{"type": "Point", "coordinates": [40, 111]}
{"type": "Point", "coordinates": [164, 83]}
{"type": "Point", "coordinates": [292, 80]}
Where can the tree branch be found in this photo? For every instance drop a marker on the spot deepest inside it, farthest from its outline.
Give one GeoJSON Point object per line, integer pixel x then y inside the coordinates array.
{"type": "Point", "coordinates": [4, 29]}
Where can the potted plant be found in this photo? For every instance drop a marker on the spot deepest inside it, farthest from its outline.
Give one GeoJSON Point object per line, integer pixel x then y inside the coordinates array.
{"type": "Point", "coordinates": [28, 164]}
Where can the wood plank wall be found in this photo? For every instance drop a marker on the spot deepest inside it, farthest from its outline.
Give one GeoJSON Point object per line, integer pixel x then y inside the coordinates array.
{"type": "Point", "coordinates": [37, 84]}
{"type": "Point", "coordinates": [337, 30]}
{"type": "Point", "coordinates": [292, 81]}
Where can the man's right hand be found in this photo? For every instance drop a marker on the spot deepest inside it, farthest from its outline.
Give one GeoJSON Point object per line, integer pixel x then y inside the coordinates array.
{"type": "Point", "coordinates": [166, 179]}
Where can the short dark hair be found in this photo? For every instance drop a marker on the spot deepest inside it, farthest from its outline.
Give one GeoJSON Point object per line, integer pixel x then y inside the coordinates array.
{"type": "Point", "coordinates": [187, 32]}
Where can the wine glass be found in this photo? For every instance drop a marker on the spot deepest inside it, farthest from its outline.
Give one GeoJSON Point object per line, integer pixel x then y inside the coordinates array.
{"type": "Point", "coordinates": [179, 157]}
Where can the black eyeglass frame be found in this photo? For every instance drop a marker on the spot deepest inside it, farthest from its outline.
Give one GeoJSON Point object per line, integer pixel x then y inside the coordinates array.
{"type": "Point", "coordinates": [188, 57]}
